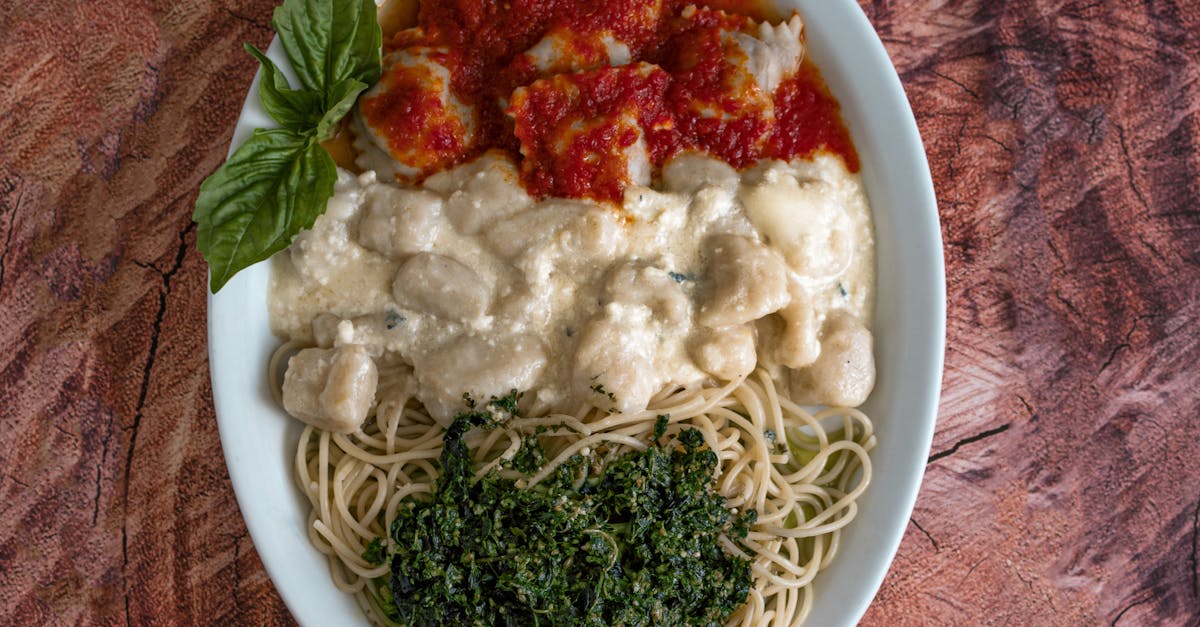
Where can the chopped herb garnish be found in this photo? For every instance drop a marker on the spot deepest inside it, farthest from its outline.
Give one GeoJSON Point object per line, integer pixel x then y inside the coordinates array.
{"type": "Point", "coordinates": [529, 458]}
{"type": "Point", "coordinates": [599, 389]}
{"type": "Point", "coordinates": [635, 544]}
{"type": "Point", "coordinates": [507, 404]}
{"type": "Point", "coordinates": [678, 278]}
{"type": "Point", "coordinates": [387, 604]}
{"type": "Point", "coordinates": [394, 319]}
{"type": "Point", "coordinates": [375, 553]}
{"type": "Point", "coordinates": [660, 426]}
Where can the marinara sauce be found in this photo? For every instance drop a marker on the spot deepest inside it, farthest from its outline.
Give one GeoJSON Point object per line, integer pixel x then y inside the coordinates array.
{"type": "Point", "coordinates": [482, 41]}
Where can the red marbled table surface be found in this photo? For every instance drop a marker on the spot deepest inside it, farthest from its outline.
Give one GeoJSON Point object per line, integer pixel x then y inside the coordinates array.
{"type": "Point", "coordinates": [1064, 487]}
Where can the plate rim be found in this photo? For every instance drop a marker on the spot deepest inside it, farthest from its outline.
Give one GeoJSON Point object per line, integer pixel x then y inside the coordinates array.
{"type": "Point", "coordinates": [263, 525]}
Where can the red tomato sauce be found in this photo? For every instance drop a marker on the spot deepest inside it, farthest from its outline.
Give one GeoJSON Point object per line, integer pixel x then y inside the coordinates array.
{"type": "Point", "coordinates": [809, 120]}
{"type": "Point", "coordinates": [694, 104]}
{"type": "Point", "coordinates": [406, 110]}
{"type": "Point", "coordinates": [715, 112]}
{"type": "Point", "coordinates": [608, 109]}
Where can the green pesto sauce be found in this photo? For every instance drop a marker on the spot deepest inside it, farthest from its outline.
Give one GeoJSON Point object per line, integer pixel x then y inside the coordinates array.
{"type": "Point", "coordinates": [634, 544]}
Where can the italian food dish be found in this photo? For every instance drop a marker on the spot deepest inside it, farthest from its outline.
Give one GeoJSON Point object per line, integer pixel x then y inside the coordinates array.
{"type": "Point", "coordinates": [581, 331]}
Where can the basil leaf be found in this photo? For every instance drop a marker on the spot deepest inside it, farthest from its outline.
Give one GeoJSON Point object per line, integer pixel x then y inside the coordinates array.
{"type": "Point", "coordinates": [343, 95]}
{"type": "Point", "coordinates": [360, 53]}
{"type": "Point", "coordinates": [276, 184]}
{"type": "Point", "coordinates": [296, 109]}
{"type": "Point", "coordinates": [330, 41]}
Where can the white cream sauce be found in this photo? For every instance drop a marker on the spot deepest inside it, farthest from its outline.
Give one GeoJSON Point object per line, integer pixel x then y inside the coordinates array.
{"type": "Point", "coordinates": [468, 285]}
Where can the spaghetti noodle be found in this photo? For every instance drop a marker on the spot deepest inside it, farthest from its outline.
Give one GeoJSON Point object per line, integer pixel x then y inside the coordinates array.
{"type": "Point", "coordinates": [802, 472]}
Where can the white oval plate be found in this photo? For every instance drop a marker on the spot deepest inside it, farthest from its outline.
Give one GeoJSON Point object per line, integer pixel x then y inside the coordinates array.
{"type": "Point", "coordinates": [259, 439]}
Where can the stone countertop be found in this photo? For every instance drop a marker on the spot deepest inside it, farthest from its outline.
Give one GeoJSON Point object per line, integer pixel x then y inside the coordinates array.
{"type": "Point", "coordinates": [1064, 484]}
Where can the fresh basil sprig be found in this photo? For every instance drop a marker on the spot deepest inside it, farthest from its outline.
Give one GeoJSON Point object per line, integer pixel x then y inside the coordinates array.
{"type": "Point", "coordinates": [279, 180]}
